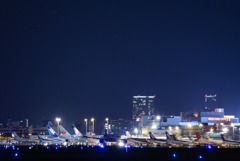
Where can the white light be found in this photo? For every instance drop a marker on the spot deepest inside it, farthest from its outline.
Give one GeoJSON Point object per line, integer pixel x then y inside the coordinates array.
{"type": "Point", "coordinates": [154, 126]}
{"type": "Point", "coordinates": [58, 119]}
{"type": "Point", "coordinates": [121, 144]}
{"type": "Point", "coordinates": [158, 117]}
{"type": "Point", "coordinates": [136, 130]}
{"type": "Point", "coordinates": [170, 127]}
{"type": "Point", "coordinates": [225, 129]}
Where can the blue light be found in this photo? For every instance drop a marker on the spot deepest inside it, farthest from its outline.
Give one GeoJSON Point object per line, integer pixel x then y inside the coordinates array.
{"type": "Point", "coordinates": [16, 154]}
{"type": "Point", "coordinates": [209, 147]}
{"type": "Point", "coordinates": [101, 145]}
{"type": "Point", "coordinates": [174, 155]}
{"type": "Point", "coordinates": [200, 157]}
{"type": "Point", "coordinates": [56, 148]}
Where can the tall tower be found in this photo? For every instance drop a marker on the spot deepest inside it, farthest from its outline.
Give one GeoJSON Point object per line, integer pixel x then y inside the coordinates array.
{"type": "Point", "coordinates": [210, 102]}
{"type": "Point", "coordinates": [142, 106]}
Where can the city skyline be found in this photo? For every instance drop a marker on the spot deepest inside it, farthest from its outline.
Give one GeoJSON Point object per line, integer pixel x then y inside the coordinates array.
{"type": "Point", "coordinates": [87, 59]}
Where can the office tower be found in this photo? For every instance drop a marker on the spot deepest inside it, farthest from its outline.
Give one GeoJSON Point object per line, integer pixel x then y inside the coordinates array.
{"type": "Point", "coordinates": [210, 102]}
{"type": "Point", "coordinates": [142, 106]}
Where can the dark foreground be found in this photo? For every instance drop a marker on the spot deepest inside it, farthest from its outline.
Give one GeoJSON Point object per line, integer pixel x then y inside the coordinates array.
{"type": "Point", "coordinates": [80, 153]}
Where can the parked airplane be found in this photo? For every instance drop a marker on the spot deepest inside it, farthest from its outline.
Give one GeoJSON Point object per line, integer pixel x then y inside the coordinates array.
{"type": "Point", "coordinates": [154, 140]}
{"type": "Point", "coordinates": [52, 139]}
{"type": "Point", "coordinates": [207, 140]}
{"type": "Point", "coordinates": [105, 139]}
{"type": "Point", "coordinates": [88, 139]}
{"type": "Point", "coordinates": [47, 140]}
{"type": "Point", "coordinates": [109, 137]}
{"type": "Point", "coordinates": [72, 139]}
{"type": "Point", "coordinates": [230, 142]}
{"type": "Point", "coordinates": [174, 141]}
{"type": "Point", "coordinates": [135, 140]}
{"type": "Point", "coordinates": [17, 139]}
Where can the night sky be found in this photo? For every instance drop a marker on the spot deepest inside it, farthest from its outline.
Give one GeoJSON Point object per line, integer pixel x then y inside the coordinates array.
{"type": "Point", "coordinates": [88, 58]}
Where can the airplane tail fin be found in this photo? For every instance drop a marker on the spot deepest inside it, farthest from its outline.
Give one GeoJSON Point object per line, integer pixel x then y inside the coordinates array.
{"type": "Point", "coordinates": [152, 136]}
{"type": "Point", "coordinates": [39, 137]}
{"type": "Point", "coordinates": [168, 136]}
{"type": "Point", "coordinates": [174, 137]}
{"type": "Point", "coordinates": [222, 136]}
{"type": "Point", "coordinates": [51, 131]}
{"type": "Point", "coordinates": [15, 135]}
{"type": "Point", "coordinates": [207, 137]}
{"type": "Point", "coordinates": [105, 132]}
{"type": "Point", "coordinates": [128, 134]}
{"type": "Point", "coordinates": [63, 131]}
{"type": "Point", "coordinates": [76, 131]}
{"type": "Point", "coordinates": [198, 136]}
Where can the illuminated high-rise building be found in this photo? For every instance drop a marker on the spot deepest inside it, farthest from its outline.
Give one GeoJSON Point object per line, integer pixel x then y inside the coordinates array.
{"type": "Point", "coordinates": [210, 102]}
{"type": "Point", "coordinates": [142, 106]}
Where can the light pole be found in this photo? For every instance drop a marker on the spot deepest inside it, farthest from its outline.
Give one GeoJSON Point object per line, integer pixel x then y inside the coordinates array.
{"type": "Point", "coordinates": [135, 131]}
{"type": "Point", "coordinates": [106, 123]}
{"type": "Point", "coordinates": [189, 128]}
{"type": "Point", "coordinates": [232, 130]}
{"type": "Point", "coordinates": [58, 119]}
{"type": "Point", "coordinates": [86, 125]}
{"type": "Point", "coordinates": [92, 119]}
{"type": "Point", "coordinates": [107, 120]}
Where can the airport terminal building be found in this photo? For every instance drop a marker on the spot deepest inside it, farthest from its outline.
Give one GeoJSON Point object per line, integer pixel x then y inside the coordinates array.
{"type": "Point", "coordinates": [190, 122]}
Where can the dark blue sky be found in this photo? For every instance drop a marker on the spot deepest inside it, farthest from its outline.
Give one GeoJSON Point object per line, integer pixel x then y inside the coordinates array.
{"type": "Point", "coordinates": [88, 58]}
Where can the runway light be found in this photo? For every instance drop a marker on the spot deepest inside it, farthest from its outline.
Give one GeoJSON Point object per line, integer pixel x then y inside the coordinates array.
{"type": "Point", "coordinates": [209, 147]}
{"type": "Point", "coordinates": [174, 155]}
{"type": "Point", "coordinates": [121, 144]}
{"type": "Point", "coordinates": [101, 146]}
{"type": "Point", "coordinates": [200, 157]}
{"type": "Point", "coordinates": [16, 154]}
